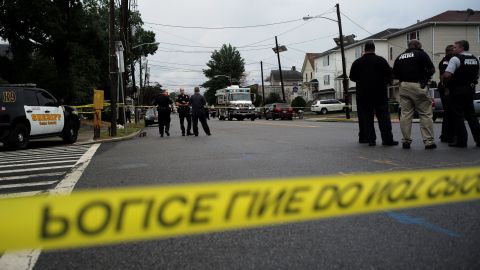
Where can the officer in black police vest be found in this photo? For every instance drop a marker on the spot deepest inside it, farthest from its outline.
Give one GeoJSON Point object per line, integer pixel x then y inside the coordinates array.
{"type": "Point", "coordinates": [164, 104]}
{"type": "Point", "coordinates": [447, 123]}
{"type": "Point", "coordinates": [183, 104]}
{"type": "Point", "coordinates": [413, 69]}
{"type": "Point", "coordinates": [462, 76]}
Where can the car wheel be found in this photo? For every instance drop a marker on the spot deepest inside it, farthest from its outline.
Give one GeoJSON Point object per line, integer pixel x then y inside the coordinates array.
{"type": "Point", "coordinates": [323, 111]}
{"type": "Point", "coordinates": [291, 118]}
{"type": "Point", "coordinates": [146, 123]}
{"type": "Point", "coordinates": [252, 119]}
{"type": "Point", "coordinates": [70, 132]}
{"type": "Point", "coordinates": [434, 118]}
{"type": "Point", "coordinates": [19, 137]}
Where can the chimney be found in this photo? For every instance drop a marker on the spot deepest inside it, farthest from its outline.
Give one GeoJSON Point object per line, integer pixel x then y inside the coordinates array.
{"type": "Point", "coordinates": [293, 68]}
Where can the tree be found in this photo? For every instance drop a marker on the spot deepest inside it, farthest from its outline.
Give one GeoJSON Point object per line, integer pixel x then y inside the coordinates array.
{"type": "Point", "coordinates": [227, 62]}
{"type": "Point", "coordinates": [273, 98]}
{"type": "Point", "coordinates": [298, 103]}
{"type": "Point", "coordinates": [149, 93]}
{"type": "Point", "coordinates": [61, 45]}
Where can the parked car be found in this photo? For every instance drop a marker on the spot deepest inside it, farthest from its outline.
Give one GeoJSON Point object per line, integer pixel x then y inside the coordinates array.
{"type": "Point", "coordinates": [278, 110]}
{"type": "Point", "coordinates": [437, 106]}
{"type": "Point", "coordinates": [28, 112]}
{"type": "Point", "coordinates": [259, 112]}
{"type": "Point", "coordinates": [476, 103]}
{"type": "Point", "coordinates": [151, 117]}
{"type": "Point", "coordinates": [327, 105]}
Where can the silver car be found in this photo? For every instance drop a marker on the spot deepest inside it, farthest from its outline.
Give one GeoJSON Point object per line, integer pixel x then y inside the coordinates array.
{"type": "Point", "coordinates": [151, 117]}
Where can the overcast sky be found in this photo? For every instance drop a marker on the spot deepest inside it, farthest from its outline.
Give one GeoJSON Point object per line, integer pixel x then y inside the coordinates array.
{"type": "Point", "coordinates": [178, 65]}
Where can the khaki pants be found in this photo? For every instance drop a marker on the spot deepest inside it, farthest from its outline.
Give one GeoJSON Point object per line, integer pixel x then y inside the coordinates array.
{"type": "Point", "coordinates": [412, 98]}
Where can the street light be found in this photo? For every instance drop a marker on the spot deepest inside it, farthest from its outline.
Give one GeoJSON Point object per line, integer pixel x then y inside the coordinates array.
{"type": "Point", "coordinates": [342, 49]}
{"type": "Point", "coordinates": [148, 43]}
{"type": "Point", "coordinates": [278, 50]}
{"type": "Point", "coordinates": [226, 76]}
{"type": "Point", "coordinates": [140, 70]}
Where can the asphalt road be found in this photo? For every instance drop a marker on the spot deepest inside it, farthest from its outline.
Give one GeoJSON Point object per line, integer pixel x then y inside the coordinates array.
{"type": "Point", "coordinates": [441, 237]}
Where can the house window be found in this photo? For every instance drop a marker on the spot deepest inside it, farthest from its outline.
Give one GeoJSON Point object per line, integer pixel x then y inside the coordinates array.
{"type": "Point", "coordinates": [390, 53]}
{"type": "Point", "coordinates": [326, 60]}
{"type": "Point", "coordinates": [311, 75]}
{"type": "Point", "coordinates": [413, 35]}
{"type": "Point", "coordinates": [306, 77]}
{"type": "Point", "coordinates": [326, 80]}
{"type": "Point", "coordinates": [358, 52]}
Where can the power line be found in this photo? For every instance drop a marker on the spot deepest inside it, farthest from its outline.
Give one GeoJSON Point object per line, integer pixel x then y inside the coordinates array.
{"type": "Point", "coordinates": [223, 27]}
{"type": "Point", "coordinates": [356, 23]}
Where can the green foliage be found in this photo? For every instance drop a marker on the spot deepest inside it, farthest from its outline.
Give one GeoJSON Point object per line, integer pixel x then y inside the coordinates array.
{"type": "Point", "coordinates": [227, 61]}
{"type": "Point", "coordinates": [61, 45]}
{"type": "Point", "coordinates": [273, 98]}
{"type": "Point", "coordinates": [149, 93]}
{"type": "Point", "coordinates": [298, 103]}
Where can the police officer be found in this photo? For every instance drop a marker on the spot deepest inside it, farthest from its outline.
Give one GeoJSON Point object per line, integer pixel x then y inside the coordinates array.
{"type": "Point", "coordinates": [447, 126]}
{"type": "Point", "coordinates": [372, 75]}
{"type": "Point", "coordinates": [413, 68]}
{"type": "Point", "coordinates": [462, 76]}
{"type": "Point", "coordinates": [198, 112]}
{"type": "Point", "coordinates": [183, 104]}
{"type": "Point", "coordinates": [164, 107]}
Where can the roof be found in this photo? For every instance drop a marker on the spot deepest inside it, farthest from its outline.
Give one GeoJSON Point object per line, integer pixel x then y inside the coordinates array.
{"type": "Point", "coordinates": [461, 17]}
{"type": "Point", "coordinates": [311, 57]}
{"type": "Point", "coordinates": [456, 16]}
{"type": "Point", "coordinates": [288, 75]}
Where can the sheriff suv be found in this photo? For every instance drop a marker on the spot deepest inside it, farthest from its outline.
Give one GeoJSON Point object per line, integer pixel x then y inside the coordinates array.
{"type": "Point", "coordinates": [28, 112]}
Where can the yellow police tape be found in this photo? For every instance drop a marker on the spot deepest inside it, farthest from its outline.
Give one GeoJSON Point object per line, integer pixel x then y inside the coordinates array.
{"type": "Point", "coordinates": [96, 217]}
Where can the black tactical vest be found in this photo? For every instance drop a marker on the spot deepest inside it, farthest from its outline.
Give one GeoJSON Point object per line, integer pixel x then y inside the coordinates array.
{"type": "Point", "coordinates": [467, 73]}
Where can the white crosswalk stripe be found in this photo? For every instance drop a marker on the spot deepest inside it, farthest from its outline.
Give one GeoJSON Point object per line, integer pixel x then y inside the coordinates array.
{"type": "Point", "coordinates": [35, 171]}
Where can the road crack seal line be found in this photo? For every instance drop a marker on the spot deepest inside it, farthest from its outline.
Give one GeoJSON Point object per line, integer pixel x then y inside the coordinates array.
{"type": "Point", "coordinates": [410, 220]}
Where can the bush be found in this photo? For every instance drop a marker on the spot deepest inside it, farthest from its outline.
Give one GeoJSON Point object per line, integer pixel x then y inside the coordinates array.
{"type": "Point", "coordinates": [299, 104]}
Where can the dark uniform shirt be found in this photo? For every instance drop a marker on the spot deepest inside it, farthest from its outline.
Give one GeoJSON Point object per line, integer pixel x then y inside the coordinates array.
{"type": "Point", "coordinates": [413, 66]}
{"type": "Point", "coordinates": [163, 103]}
{"type": "Point", "coordinates": [183, 99]}
{"type": "Point", "coordinates": [372, 75]}
{"type": "Point", "coordinates": [442, 66]}
{"type": "Point", "coordinates": [198, 104]}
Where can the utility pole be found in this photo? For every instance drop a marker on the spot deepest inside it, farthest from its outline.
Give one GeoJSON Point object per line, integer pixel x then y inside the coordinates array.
{"type": "Point", "coordinates": [263, 87]}
{"type": "Point", "coordinates": [112, 71]}
{"type": "Point", "coordinates": [344, 67]}
{"type": "Point", "coordinates": [140, 82]}
{"type": "Point", "coordinates": [280, 69]}
{"type": "Point", "coordinates": [123, 75]}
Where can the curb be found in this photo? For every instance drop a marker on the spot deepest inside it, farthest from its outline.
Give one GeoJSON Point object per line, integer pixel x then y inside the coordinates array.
{"type": "Point", "coordinates": [124, 138]}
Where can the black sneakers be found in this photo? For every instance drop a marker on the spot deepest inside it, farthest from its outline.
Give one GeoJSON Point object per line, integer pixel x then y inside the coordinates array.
{"type": "Point", "coordinates": [430, 146]}
{"type": "Point", "coordinates": [392, 143]}
{"type": "Point", "coordinates": [406, 145]}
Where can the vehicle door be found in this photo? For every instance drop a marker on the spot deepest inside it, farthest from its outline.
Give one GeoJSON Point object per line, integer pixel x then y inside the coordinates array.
{"type": "Point", "coordinates": [52, 117]}
{"type": "Point", "coordinates": [32, 111]}
{"type": "Point", "coordinates": [337, 105]}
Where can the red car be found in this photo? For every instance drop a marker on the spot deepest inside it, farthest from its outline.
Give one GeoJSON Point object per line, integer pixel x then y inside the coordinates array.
{"type": "Point", "coordinates": [278, 110]}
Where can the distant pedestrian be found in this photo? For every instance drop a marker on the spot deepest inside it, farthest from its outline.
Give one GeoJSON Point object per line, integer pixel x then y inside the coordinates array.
{"type": "Point", "coordinates": [443, 89]}
{"type": "Point", "coordinates": [372, 75]}
{"type": "Point", "coordinates": [183, 107]}
{"type": "Point", "coordinates": [413, 69]}
{"type": "Point", "coordinates": [198, 103]}
{"type": "Point", "coordinates": [164, 107]}
{"type": "Point", "coordinates": [128, 115]}
{"type": "Point", "coordinates": [462, 76]}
